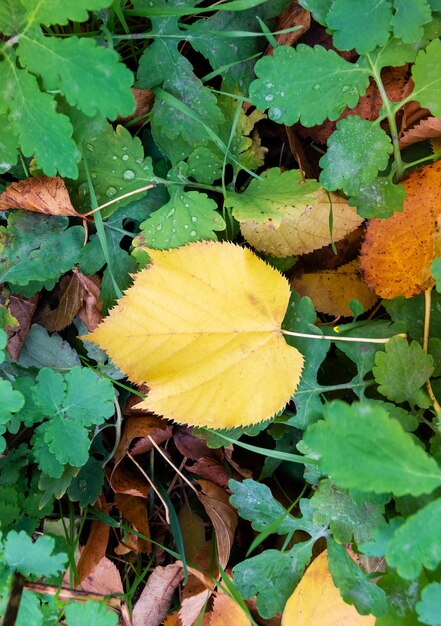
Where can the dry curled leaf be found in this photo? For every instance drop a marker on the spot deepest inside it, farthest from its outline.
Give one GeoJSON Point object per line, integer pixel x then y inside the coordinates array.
{"type": "Point", "coordinates": [316, 601]}
{"type": "Point", "coordinates": [332, 290]}
{"type": "Point", "coordinates": [201, 318]}
{"type": "Point", "coordinates": [397, 252]}
{"type": "Point", "coordinates": [155, 599]}
{"type": "Point", "coordinates": [42, 194]}
{"type": "Point", "coordinates": [22, 309]}
{"type": "Point", "coordinates": [429, 128]}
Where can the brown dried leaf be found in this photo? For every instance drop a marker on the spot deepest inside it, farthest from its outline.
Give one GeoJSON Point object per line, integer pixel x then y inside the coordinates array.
{"type": "Point", "coordinates": [96, 545]}
{"type": "Point", "coordinates": [331, 290]}
{"type": "Point", "coordinates": [104, 579]}
{"type": "Point", "coordinates": [212, 469]}
{"type": "Point", "coordinates": [23, 310]}
{"type": "Point", "coordinates": [196, 594]}
{"type": "Point", "coordinates": [294, 15]}
{"type": "Point", "coordinates": [90, 312]}
{"type": "Point", "coordinates": [429, 128]}
{"type": "Point", "coordinates": [398, 251]}
{"type": "Point", "coordinates": [226, 612]}
{"type": "Point", "coordinates": [173, 620]}
{"type": "Point", "coordinates": [70, 298]}
{"type": "Point", "coordinates": [155, 599]}
{"type": "Point", "coordinates": [190, 446]}
{"type": "Point", "coordinates": [144, 100]}
{"type": "Point", "coordinates": [222, 515]}
{"type": "Point", "coordinates": [193, 531]}
{"type": "Point", "coordinates": [42, 194]}
{"type": "Point", "coordinates": [134, 509]}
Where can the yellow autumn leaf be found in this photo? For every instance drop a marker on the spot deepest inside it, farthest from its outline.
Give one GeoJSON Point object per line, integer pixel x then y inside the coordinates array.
{"type": "Point", "coordinates": [226, 612]}
{"type": "Point", "coordinates": [316, 601]}
{"type": "Point", "coordinates": [201, 326]}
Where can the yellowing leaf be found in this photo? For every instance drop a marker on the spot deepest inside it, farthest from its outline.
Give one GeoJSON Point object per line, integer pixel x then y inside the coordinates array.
{"type": "Point", "coordinates": [201, 327]}
{"type": "Point", "coordinates": [226, 612]}
{"type": "Point", "coordinates": [316, 601]}
{"type": "Point", "coordinates": [331, 290]}
{"type": "Point", "coordinates": [398, 251]}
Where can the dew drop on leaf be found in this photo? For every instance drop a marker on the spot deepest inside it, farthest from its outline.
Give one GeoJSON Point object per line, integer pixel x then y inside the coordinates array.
{"type": "Point", "coordinates": [90, 147]}
{"type": "Point", "coordinates": [125, 157]}
{"type": "Point", "coordinates": [193, 233]}
{"type": "Point", "coordinates": [111, 191]}
{"type": "Point", "coordinates": [129, 175]}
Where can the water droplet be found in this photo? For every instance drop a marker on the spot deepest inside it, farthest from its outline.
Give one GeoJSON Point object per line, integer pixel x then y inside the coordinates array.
{"type": "Point", "coordinates": [282, 94]}
{"type": "Point", "coordinates": [193, 233]}
{"type": "Point", "coordinates": [139, 161]}
{"type": "Point", "coordinates": [82, 484]}
{"type": "Point", "coordinates": [113, 171]}
{"type": "Point", "coordinates": [170, 213]}
{"type": "Point", "coordinates": [186, 205]}
{"type": "Point", "coordinates": [125, 157]}
{"type": "Point", "coordinates": [83, 190]}
{"type": "Point", "coordinates": [90, 147]}
{"type": "Point", "coordinates": [186, 226]}
{"type": "Point", "coordinates": [194, 219]}
{"type": "Point", "coordinates": [316, 86]}
{"type": "Point", "coordinates": [129, 175]}
{"type": "Point", "coordinates": [93, 175]}
{"type": "Point", "coordinates": [268, 97]}
{"type": "Point", "coordinates": [345, 88]}
{"type": "Point", "coordinates": [268, 85]}
{"type": "Point", "coordinates": [114, 157]}
{"type": "Point", "coordinates": [124, 148]}
{"type": "Point", "coordinates": [276, 113]}
{"type": "Point", "coordinates": [159, 227]}
{"type": "Point", "coordinates": [145, 168]}
{"type": "Point", "coordinates": [173, 230]}
{"type": "Point", "coordinates": [197, 157]}
{"type": "Point", "coordinates": [110, 192]}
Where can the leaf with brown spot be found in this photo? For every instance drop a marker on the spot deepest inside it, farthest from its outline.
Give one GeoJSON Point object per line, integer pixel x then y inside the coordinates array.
{"type": "Point", "coordinates": [134, 509]}
{"type": "Point", "coordinates": [222, 515]}
{"type": "Point", "coordinates": [155, 599]}
{"type": "Point", "coordinates": [331, 290]}
{"type": "Point", "coordinates": [42, 194]}
{"type": "Point", "coordinates": [212, 469]}
{"type": "Point", "coordinates": [397, 252]}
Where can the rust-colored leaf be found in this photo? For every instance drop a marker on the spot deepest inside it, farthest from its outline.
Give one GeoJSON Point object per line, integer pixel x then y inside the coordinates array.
{"type": "Point", "coordinates": [96, 545]}
{"type": "Point", "coordinates": [22, 309]}
{"type": "Point", "coordinates": [134, 510]}
{"type": "Point", "coordinates": [397, 252]}
{"type": "Point", "coordinates": [222, 515]}
{"type": "Point", "coordinates": [42, 194]}
{"type": "Point", "coordinates": [155, 600]}
{"type": "Point", "coordinates": [212, 469]}
{"type": "Point", "coordinates": [429, 128]}
{"type": "Point", "coordinates": [70, 298]}
{"type": "Point", "coordinates": [294, 15]}
{"type": "Point", "coordinates": [332, 290]}
{"type": "Point", "coordinates": [90, 312]}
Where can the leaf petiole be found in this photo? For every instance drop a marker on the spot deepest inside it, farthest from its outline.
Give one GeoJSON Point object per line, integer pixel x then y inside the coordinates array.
{"type": "Point", "coordinates": [334, 338]}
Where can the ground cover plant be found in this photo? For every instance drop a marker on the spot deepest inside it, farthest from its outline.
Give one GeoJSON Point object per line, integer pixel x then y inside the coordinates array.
{"type": "Point", "coordinates": [220, 317]}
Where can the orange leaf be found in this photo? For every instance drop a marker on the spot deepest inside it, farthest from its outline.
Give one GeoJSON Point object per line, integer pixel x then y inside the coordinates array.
{"type": "Point", "coordinates": [226, 612]}
{"type": "Point", "coordinates": [42, 194]}
{"type": "Point", "coordinates": [134, 510]}
{"type": "Point", "coordinates": [316, 601]}
{"type": "Point", "coordinates": [398, 251]}
{"type": "Point", "coordinates": [331, 290]}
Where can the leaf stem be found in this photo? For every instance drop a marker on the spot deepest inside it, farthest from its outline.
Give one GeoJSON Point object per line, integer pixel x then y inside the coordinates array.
{"type": "Point", "coordinates": [432, 157]}
{"type": "Point", "coordinates": [125, 195]}
{"type": "Point", "coordinates": [334, 338]}
{"type": "Point", "coordinates": [427, 308]}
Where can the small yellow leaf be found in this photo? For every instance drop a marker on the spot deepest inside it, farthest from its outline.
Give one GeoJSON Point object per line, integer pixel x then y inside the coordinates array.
{"type": "Point", "coordinates": [201, 327]}
{"type": "Point", "coordinates": [331, 290]}
{"type": "Point", "coordinates": [303, 229]}
{"type": "Point", "coordinates": [316, 601]}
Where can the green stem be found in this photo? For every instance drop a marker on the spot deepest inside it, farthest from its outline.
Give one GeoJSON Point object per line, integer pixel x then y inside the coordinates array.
{"type": "Point", "coordinates": [432, 157]}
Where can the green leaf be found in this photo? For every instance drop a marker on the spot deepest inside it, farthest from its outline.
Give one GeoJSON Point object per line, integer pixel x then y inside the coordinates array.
{"type": "Point", "coordinates": [11, 401]}
{"type": "Point", "coordinates": [416, 542]}
{"type": "Point", "coordinates": [30, 613]}
{"type": "Point", "coordinates": [87, 485]}
{"type": "Point", "coordinates": [381, 199]}
{"type": "Point", "coordinates": [429, 607]}
{"type": "Point", "coordinates": [45, 459]}
{"type": "Point", "coordinates": [89, 398]}
{"type": "Point", "coordinates": [44, 350]}
{"type": "Point", "coordinates": [188, 216]}
{"type": "Point", "coordinates": [362, 25]}
{"type": "Point", "coordinates": [41, 130]}
{"type": "Point", "coordinates": [255, 502]}
{"type": "Point", "coordinates": [89, 76]}
{"type": "Point", "coordinates": [306, 84]}
{"type": "Point", "coordinates": [30, 247]}
{"type": "Point", "coordinates": [427, 79]}
{"type": "Point", "coordinates": [354, 585]}
{"type": "Point", "coordinates": [271, 197]}
{"type": "Point", "coordinates": [90, 612]}
{"type": "Point", "coordinates": [3, 342]}
{"type": "Point", "coordinates": [411, 312]}
{"type": "Point", "coordinates": [49, 391]}
{"type": "Point", "coordinates": [361, 447]}
{"type": "Point", "coordinates": [32, 559]}
{"type": "Point", "coordinates": [59, 430]}
{"type": "Point", "coordinates": [205, 165]}
{"type": "Point", "coordinates": [394, 53]}
{"type": "Point", "coordinates": [435, 269]}
{"type": "Point", "coordinates": [357, 151]}
{"type": "Point", "coordinates": [381, 538]}
{"type": "Point", "coordinates": [8, 146]}
{"type": "Point", "coordinates": [409, 19]}
{"type": "Point", "coordinates": [336, 508]}
{"type": "Point", "coordinates": [272, 576]}
{"type": "Point", "coordinates": [319, 9]}
{"type": "Point", "coordinates": [402, 369]}
{"type": "Point", "coordinates": [49, 12]}
{"type": "Point", "coordinates": [12, 17]}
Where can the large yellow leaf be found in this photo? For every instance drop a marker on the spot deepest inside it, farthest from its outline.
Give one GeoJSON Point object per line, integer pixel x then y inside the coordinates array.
{"type": "Point", "coordinates": [316, 601]}
{"type": "Point", "coordinates": [201, 327]}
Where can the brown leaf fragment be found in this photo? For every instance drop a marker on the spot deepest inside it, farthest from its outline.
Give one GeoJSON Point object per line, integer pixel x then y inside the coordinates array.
{"type": "Point", "coordinates": [96, 545]}
{"type": "Point", "coordinates": [226, 612]}
{"type": "Point", "coordinates": [23, 310]}
{"type": "Point", "coordinates": [134, 509]}
{"type": "Point", "coordinates": [332, 290]}
{"type": "Point", "coordinates": [429, 128]}
{"type": "Point", "coordinates": [144, 99]}
{"type": "Point", "coordinates": [193, 531]}
{"type": "Point", "coordinates": [70, 299]}
{"type": "Point", "coordinates": [222, 515]}
{"type": "Point", "coordinates": [90, 312]}
{"type": "Point", "coordinates": [155, 599]}
{"type": "Point", "coordinates": [398, 251]}
{"type": "Point", "coordinates": [191, 446]}
{"type": "Point", "coordinates": [104, 579]}
{"type": "Point", "coordinates": [173, 619]}
{"type": "Point", "coordinates": [212, 469]}
{"type": "Point", "coordinates": [294, 15]}
{"type": "Point", "coordinates": [42, 194]}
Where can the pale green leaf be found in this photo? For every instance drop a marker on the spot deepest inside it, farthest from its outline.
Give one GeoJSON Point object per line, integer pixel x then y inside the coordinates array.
{"type": "Point", "coordinates": [49, 391]}
{"type": "Point", "coordinates": [435, 269]}
{"type": "Point", "coordinates": [307, 84]}
{"type": "Point", "coordinates": [381, 198]}
{"type": "Point", "coordinates": [55, 12]}
{"type": "Point", "coordinates": [8, 145]}
{"type": "Point", "coordinates": [354, 585]}
{"type": "Point", "coordinates": [12, 17]}
{"type": "Point", "coordinates": [89, 397]}
{"type": "Point", "coordinates": [409, 19]}
{"type": "Point", "coordinates": [30, 613]}
{"type": "Point", "coordinates": [205, 165]}
{"type": "Point", "coordinates": [188, 216]}
{"type": "Point", "coordinates": [416, 542]}
{"type": "Point", "coordinates": [11, 401]}
{"type": "Point", "coordinates": [32, 558]}
{"type": "Point", "coordinates": [402, 369]}
{"type": "Point", "coordinates": [357, 151]}
{"type": "Point", "coordinates": [360, 24]}
{"type": "Point", "coordinates": [361, 447]}
{"type": "Point", "coordinates": [429, 607]}
{"type": "Point", "coordinates": [319, 9]}
{"type": "Point", "coordinates": [44, 458]}
{"type": "Point", "coordinates": [272, 196]}
{"type": "Point", "coordinates": [44, 350]}
{"type": "Point", "coordinates": [90, 612]}
{"type": "Point", "coordinates": [89, 76]}
{"type": "Point", "coordinates": [59, 430]}
{"type": "Point", "coordinates": [427, 78]}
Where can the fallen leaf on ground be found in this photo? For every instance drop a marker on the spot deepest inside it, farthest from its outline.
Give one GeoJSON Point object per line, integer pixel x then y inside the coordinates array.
{"type": "Point", "coordinates": [196, 593]}
{"type": "Point", "coordinates": [222, 515]}
{"type": "Point", "coordinates": [104, 579]}
{"type": "Point", "coordinates": [294, 15]}
{"type": "Point", "coordinates": [23, 310]}
{"type": "Point", "coordinates": [316, 601]}
{"type": "Point", "coordinates": [155, 599]}
{"type": "Point", "coordinates": [144, 100]}
{"type": "Point", "coordinates": [210, 318]}
{"type": "Point", "coordinates": [226, 612]}
{"type": "Point", "coordinates": [212, 469]}
{"type": "Point", "coordinates": [134, 509]}
{"type": "Point", "coordinates": [331, 290]}
{"type": "Point", "coordinates": [191, 446]}
{"type": "Point", "coordinates": [70, 299]}
{"type": "Point", "coordinates": [96, 545]}
{"type": "Point", "coordinates": [397, 252]}
{"type": "Point", "coordinates": [193, 531]}
{"type": "Point", "coordinates": [90, 312]}
{"type": "Point", "coordinates": [429, 128]}
{"type": "Point", "coordinates": [173, 620]}
{"type": "Point", "coordinates": [42, 194]}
